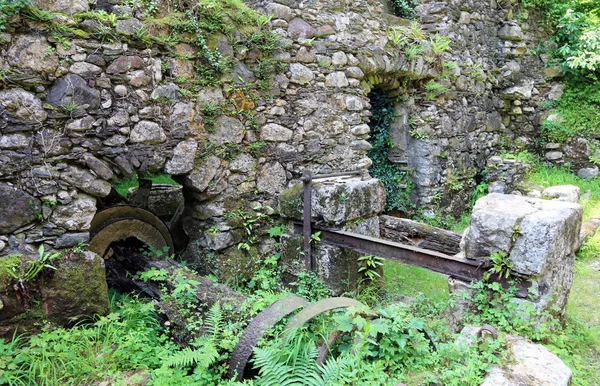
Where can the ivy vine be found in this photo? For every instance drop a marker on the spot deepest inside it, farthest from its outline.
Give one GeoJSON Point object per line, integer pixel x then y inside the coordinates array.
{"type": "Point", "coordinates": [397, 183]}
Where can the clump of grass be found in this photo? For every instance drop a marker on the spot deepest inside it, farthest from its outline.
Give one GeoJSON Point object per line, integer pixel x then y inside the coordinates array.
{"type": "Point", "coordinates": [124, 184]}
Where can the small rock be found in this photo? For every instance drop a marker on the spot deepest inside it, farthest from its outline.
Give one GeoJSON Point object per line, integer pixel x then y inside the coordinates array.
{"type": "Point", "coordinates": [147, 132]}
{"type": "Point", "coordinates": [339, 59]}
{"type": "Point", "coordinates": [567, 193]}
{"type": "Point", "coordinates": [120, 90]}
{"type": "Point", "coordinates": [76, 215]}
{"type": "Point", "coordinates": [271, 178]}
{"type": "Point", "coordinates": [588, 173]}
{"type": "Point", "coordinates": [183, 158]}
{"type": "Point", "coordinates": [553, 155]}
{"type": "Point", "coordinates": [275, 133]}
{"type": "Point", "coordinates": [85, 69]}
{"type": "Point", "coordinates": [227, 130]}
{"type": "Point", "coordinates": [71, 239]}
{"type": "Point", "coordinates": [73, 90]}
{"type": "Point", "coordinates": [300, 29]}
{"type": "Point", "coordinates": [129, 27]}
{"type": "Point", "coordinates": [300, 74]}
{"type": "Point", "coordinates": [169, 92]}
{"type": "Point", "coordinates": [279, 11]}
{"type": "Point", "coordinates": [336, 79]}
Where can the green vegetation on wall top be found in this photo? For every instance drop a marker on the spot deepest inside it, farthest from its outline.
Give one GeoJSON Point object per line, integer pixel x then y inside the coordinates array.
{"type": "Point", "coordinates": [576, 25]}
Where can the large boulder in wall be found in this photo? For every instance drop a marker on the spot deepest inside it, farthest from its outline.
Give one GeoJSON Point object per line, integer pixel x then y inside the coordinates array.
{"type": "Point", "coordinates": [18, 208]}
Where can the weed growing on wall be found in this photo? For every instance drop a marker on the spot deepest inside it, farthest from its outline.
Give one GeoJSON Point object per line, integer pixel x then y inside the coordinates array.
{"type": "Point", "coordinates": [396, 182]}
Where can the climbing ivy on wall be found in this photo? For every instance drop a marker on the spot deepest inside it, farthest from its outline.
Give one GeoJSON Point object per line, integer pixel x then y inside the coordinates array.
{"type": "Point", "coordinates": [394, 179]}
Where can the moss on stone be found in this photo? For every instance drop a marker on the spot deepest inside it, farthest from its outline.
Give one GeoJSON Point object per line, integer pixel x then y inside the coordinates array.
{"type": "Point", "coordinates": [290, 201]}
{"type": "Point", "coordinates": [78, 287]}
{"type": "Point", "coordinates": [6, 264]}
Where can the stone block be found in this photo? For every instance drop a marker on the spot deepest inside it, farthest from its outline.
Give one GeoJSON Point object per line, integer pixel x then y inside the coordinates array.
{"type": "Point", "coordinates": [567, 193]}
{"type": "Point", "coordinates": [336, 202]}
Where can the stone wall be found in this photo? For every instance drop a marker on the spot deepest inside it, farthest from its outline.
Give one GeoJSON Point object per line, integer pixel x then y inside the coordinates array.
{"type": "Point", "coordinates": [77, 116]}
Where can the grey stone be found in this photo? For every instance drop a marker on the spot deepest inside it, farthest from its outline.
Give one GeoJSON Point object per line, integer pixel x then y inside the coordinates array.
{"type": "Point", "coordinates": [553, 155]}
{"type": "Point", "coordinates": [23, 105]}
{"type": "Point", "coordinates": [199, 179]}
{"type": "Point", "coordinates": [212, 95]}
{"type": "Point", "coordinates": [69, 7]}
{"type": "Point", "coordinates": [77, 215]}
{"type": "Point", "coordinates": [530, 364]}
{"type": "Point", "coordinates": [588, 173]}
{"type": "Point", "coordinates": [14, 141]}
{"type": "Point", "coordinates": [510, 32]}
{"type": "Point", "coordinates": [31, 51]}
{"type": "Point", "coordinates": [567, 193]}
{"type": "Point", "coordinates": [18, 208]}
{"type": "Point", "coordinates": [73, 90]}
{"type": "Point", "coordinates": [336, 79]}
{"type": "Point", "coordinates": [354, 103]}
{"type": "Point", "coordinates": [85, 69]}
{"type": "Point", "coordinates": [81, 124]}
{"type": "Point", "coordinates": [242, 75]}
{"type": "Point", "coordinates": [361, 145]}
{"type": "Point", "coordinates": [129, 26]}
{"type": "Point", "coordinates": [339, 59]}
{"type": "Point", "coordinates": [300, 29]}
{"type": "Point", "coordinates": [147, 132]}
{"type": "Point", "coordinates": [300, 74]}
{"type": "Point", "coordinates": [273, 132]}
{"type": "Point", "coordinates": [71, 239]}
{"type": "Point", "coordinates": [492, 224]}
{"type": "Point", "coordinates": [355, 72]}
{"type": "Point", "coordinates": [119, 118]}
{"type": "Point", "coordinates": [271, 178]}
{"type": "Point", "coordinates": [360, 130]}
{"type": "Point", "coordinates": [85, 181]}
{"type": "Point", "coordinates": [139, 78]}
{"type": "Point", "coordinates": [121, 90]}
{"type": "Point", "coordinates": [497, 187]}
{"type": "Point", "coordinates": [552, 146]}
{"type": "Point", "coordinates": [304, 55]}
{"type": "Point", "coordinates": [243, 163]}
{"type": "Point", "coordinates": [336, 202]}
{"type": "Point", "coordinates": [279, 11]}
{"type": "Point", "coordinates": [169, 91]}
{"type": "Point", "coordinates": [183, 158]}
{"type": "Point", "coordinates": [524, 90]}
{"type": "Point", "coordinates": [227, 130]}
{"type": "Point", "coordinates": [98, 166]}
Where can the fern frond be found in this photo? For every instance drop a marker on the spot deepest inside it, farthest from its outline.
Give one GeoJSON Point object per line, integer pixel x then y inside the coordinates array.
{"type": "Point", "coordinates": [214, 321]}
{"type": "Point", "coordinates": [272, 372]}
{"type": "Point", "coordinates": [202, 356]}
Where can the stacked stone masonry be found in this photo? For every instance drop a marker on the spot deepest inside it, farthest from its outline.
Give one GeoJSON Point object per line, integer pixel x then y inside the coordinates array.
{"type": "Point", "coordinates": [73, 118]}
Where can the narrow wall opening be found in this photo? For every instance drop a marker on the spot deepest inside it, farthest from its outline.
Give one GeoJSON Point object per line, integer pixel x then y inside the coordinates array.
{"type": "Point", "coordinates": [390, 128]}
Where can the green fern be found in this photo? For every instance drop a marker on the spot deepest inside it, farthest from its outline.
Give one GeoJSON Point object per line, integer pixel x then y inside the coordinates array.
{"type": "Point", "coordinates": [201, 357]}
{"type": "Point", "coordinates": [214, 322]}
{"type": "Point", "coordinates": [295, 364]}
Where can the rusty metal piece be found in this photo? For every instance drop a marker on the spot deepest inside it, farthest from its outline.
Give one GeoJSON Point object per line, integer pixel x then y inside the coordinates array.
{"type": "Point", "coordinates": [120, 212]}
{"type": "Point", "coordinates": [464, 269]}
{"type": "Point", "coordinates": [262, 323]}
{"type": "Point", "coordinates": [310, 265]}
{"type": "Point", "coordinates": [340, 174]}
{"type": "Point", "coordinates": [486, 331]}
{"type": "Point", "coordinates": [125, 228]}
{"type": "Point", "coordinates": [320, 307]}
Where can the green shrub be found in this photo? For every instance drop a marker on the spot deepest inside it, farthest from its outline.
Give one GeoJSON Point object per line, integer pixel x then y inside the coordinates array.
{"type": "Point", "coordinates": [404, 8]}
